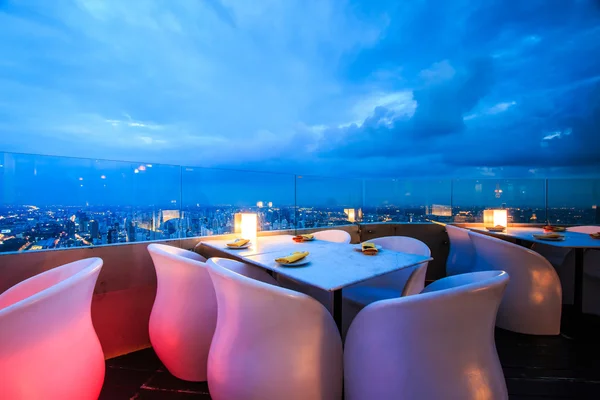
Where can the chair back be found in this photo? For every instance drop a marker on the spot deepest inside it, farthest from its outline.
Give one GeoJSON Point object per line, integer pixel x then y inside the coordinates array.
{"type": "Point", "coordinates": [462, 253]}
{"type": "Point", "coordinates": [271, 342]}
{"type": "Point", "coordinates": [585, 229]}
{"type": "Point", "coordinates": [333, 235]}
{"type": "Point", "coordinates": [244, 269]}
{"type": "Point", "coordinates": [443, 336]}
{"type": "Point", "coordinates": [48, 345]}
{"type": "Point", "coordinates": [533, 300]}
{"type": "Point", "coordinates": [184, 314]}
{"type": "Point", "coordinates": [409, 280]}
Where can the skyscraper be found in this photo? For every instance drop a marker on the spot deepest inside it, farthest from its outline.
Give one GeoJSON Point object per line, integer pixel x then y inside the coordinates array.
{"type": "Point", "coordinates": [93, 225]}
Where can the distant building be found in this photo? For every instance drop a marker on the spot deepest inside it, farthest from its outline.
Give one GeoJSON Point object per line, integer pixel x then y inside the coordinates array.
{"type": "Point", "coordinates": [94, 229]}
{"type": "Point", "coordinates": [112, 236]}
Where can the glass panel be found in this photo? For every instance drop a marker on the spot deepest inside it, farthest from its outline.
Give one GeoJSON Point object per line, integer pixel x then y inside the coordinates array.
{"type": "Point", "coordinates": [212, 197]}
{"type": "Point", "coordinates": [324, 201]}
{"type": "Point", "coordinates": [574, 201]}
{"type": "Point", "coordinates": [524, 199]}
{"type": "Point", "coordinates": [59, 202]}
{"type": "Point", "coordinates": [395, 200]}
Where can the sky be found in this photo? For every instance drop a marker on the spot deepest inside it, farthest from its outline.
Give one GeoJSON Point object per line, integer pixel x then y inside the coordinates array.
{"type": "Point", "coordinates": [356, 88]}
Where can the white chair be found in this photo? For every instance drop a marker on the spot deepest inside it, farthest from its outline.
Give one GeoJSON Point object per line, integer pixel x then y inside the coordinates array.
{"type": "Point", "coordinates": [434, 345]}
{"type": "Point", "coordinates": [462, 253]}
{"type": "Point", "coordinates": [271, 343]}
{"type": "Point", "coordinates": [532, 303]}
{"type": "Point", "coordinates": [184, 314]}
{"type": "Point", "coordinates": [48, 346]}
{"type": "Point", "coordinates": [333, 235]}
{"type": "Point", "coordinates": [405, 282]}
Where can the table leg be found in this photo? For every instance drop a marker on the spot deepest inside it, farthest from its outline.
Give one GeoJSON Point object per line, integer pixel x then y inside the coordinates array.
{"type": "Point", "coordinates": [578, 292]}
{"type": "Point", "coordinates": [336, 307]}
{"type": "Point", "coordinates": [574, 326]}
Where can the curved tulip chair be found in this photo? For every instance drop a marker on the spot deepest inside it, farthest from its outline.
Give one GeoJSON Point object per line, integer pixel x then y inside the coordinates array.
{"type": "Point", "coordinates": [242, 268]}
{"type": "Point", "coordinates": [333, 235]}
{"type": "Point", "coordinates": [404, 282]}
{"type": "Point", "coordinates": [48, 346]}
{"type": "Point", "coordinates": [271, 343]}
{"type": "Point", "coordinates": [434, 345]}
{"type": "Point", "coordinates": [563, 260]}
{"type": "Point", "coordinates": [462, 253]}
{"type": "Point", "coordinates": [184, 314]}
{"type": "Point", "coordinates": [585, 229]}
{"type": "Point", "coordinates": [533, 300]}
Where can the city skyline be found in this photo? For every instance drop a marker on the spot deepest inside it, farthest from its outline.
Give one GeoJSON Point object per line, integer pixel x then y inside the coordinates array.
{"type": "Point", "coordinates": [24, 228]}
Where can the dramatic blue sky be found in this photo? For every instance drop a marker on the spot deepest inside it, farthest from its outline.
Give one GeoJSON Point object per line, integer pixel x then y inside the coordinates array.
{"type": "Point", "coordinates": [461, 88]}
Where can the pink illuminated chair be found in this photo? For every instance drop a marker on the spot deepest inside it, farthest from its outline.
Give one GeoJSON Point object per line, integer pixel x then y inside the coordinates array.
{"type": "Point", "coordinates": [48, 346]}
{"type": "Point", "coordinates": [184, 315]}
{"type": "Point", "coordinates": [333, 235]}
{"type": "Point", "coordinates": [462, 253]}
{"type": "Point", "coordinates": [271, 343]}
{"type": "Point", "coordinates": [435, 345]}
{"type": "Point", "coordinates": [532, 303]}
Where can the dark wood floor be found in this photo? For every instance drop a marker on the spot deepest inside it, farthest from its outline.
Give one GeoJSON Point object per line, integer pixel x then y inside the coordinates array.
{"type": "Point", "coordinates": [535, 367]}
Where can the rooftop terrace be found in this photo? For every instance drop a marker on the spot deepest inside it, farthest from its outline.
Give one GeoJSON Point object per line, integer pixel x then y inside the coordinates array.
{"type": "Point", "coordinates": [113, 211]}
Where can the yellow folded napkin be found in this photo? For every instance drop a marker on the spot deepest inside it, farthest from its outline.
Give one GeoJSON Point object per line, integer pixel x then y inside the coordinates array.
{"type": "Point", "coordinates": [292, 258]}
{"type": "Point", "coordinates": [238, 243]}
{"type": "Point", "coordinates": [308, 236]}
{"type": "Point", "coordinates": [548, 236]}
{"type": "Point", "coordinates": [368, 247]}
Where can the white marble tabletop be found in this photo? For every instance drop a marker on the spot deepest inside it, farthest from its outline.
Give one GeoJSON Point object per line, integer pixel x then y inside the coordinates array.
{"type": "Point", "coordinates": [572, 239]}
{"type": "Point", "coordinates": [332, 266]}
{"type": "Point", "coordinates": [265, 244]}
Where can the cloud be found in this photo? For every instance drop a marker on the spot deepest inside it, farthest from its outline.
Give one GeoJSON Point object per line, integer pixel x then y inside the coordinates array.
{"type": "Point", "coordinates": [333, 87]}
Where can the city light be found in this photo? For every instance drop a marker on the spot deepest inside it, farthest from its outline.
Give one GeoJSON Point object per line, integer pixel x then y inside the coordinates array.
{"type": "Point", "coordinates": [351, 214]}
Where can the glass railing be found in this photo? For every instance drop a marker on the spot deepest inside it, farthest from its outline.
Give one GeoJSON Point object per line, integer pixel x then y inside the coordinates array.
{"type": "Point", "coordinates": [57, 202]}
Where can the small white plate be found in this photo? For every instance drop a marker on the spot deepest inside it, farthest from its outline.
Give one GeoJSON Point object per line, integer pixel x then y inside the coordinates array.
{"type": "Point", "coordinates": [358, 247]}
{"type": "Point", "coordinates": [302, 261]}
{"type": "Point", "coordinates": [239, 247]}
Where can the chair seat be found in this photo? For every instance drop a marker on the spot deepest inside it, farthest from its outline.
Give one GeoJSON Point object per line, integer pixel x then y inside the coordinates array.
{"type": "Point", "coordinates": [364, 295]}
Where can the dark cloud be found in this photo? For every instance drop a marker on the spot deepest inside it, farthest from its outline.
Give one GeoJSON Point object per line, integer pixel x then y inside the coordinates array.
{"type": "Point", "coordinates": [441, 107]}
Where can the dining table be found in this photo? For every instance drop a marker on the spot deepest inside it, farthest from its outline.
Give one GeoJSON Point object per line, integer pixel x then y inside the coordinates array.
{"type": "Point", "coordinates": [329, 266]}
{"type": "Point", "coordinates": [575, 241]}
